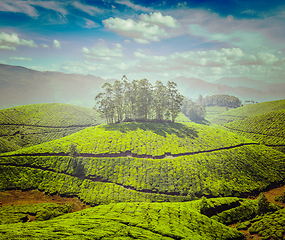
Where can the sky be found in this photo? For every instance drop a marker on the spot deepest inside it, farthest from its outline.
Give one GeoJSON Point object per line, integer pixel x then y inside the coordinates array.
{"type": "Point", "coordinates": [157, 40]}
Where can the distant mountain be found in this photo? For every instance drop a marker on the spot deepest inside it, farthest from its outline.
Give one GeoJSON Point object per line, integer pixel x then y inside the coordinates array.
{"type": "Point", "coordinates": [193, 87]}
{"type": "Point", "coordinates": [241, 82]}
{"type": "Point", "coordinates": [21, 86]}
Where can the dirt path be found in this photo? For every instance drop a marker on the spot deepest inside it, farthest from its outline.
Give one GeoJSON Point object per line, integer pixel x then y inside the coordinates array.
{"type": "Point", "coordinates": [19, 197]}
{"type": "Point", "coordinates": [130, 154]}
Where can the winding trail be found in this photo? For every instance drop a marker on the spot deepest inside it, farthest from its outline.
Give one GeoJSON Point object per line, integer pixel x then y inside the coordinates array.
{"type": "Point", "coordinates": [89, 177]}
{"type": "Point", "coordinates": [130, 154]}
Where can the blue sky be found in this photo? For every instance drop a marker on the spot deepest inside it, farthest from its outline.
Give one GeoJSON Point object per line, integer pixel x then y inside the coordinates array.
{"type": "Point", "coordinates": [158, 40]}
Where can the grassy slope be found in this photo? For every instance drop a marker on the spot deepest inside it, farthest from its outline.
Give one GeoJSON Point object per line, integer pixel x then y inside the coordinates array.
{"type": "Point", "coordinates": [249, 111]}
{"type": "Point", "coordinates": [33, 124]}
{"type": "Point", "coordinates": [153, 139]}
{"type": "Point", "coordinates": [129, 221]}
{"type": "Point", "coordinates": [268, 128]}
{"type": "Point", "coordinates": [221, 172]}
{"type": "Point", "coordinates": [214, 111]}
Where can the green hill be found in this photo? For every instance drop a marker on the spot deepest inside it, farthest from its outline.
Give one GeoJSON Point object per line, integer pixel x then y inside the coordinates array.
{"type": "Point", "coordinates": [34, 124]}
{"type": "Point", "coordinates": [130, 221]}
{"type": "Point", "coordinates": [267, 129]}
{"type": "Point", "coordinates": [144, 162]}
{"type": "Point", "coordinates": [247, 111]}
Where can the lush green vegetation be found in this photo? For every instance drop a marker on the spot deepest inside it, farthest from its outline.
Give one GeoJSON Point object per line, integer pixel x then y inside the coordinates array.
{"type": "Point", "coordinates": [270, 226]}
{"type": "Point", "coordinates": [151, 139]}
{"type": "Point", "coordinates": [142, 174]}
{"type": "Point", "coordinates": [219, 100]}
{"type": "Point", "coordinates": [214, 111]}
{"type": "Point", "coordinates": [249, 111]}
{"type": "Point", "coordinates": [49, 114]}
{"type": "Point", "coordinates": [193, 111]}
{"type": "Point", "coordinates": [224, 172]}
{"type": "Point", "coordinates": [268, 129]}
{"type": "Point", "coordinates": [125, 100]}
{"type": "Point", "coordinates": [128, 221]}
{"type": "Point", "coordinates": [34, 124]}
{"type": "Point", "coordinates": [37, 212]}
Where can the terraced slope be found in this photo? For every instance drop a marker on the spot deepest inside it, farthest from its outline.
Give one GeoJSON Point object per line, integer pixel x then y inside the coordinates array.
{"type": "Point", "coordinates": [151, 140]}
{"type": "Point", "coordinates": [144, 162]}
{"type": "Point", "coordinates": [247, 111]}
{"type": "Point", "coordinates": [267, 129]}
{"type": "Point", "coordinates": [129, 221]}
{"type": "Point", "coordinates": [34, 124]}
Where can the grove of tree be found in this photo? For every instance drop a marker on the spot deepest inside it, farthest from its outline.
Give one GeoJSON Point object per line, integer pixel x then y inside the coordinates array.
{"type": "Point", "coordinates": [219, 100]}
{"type": "Point", "coordinates": [138, 100]}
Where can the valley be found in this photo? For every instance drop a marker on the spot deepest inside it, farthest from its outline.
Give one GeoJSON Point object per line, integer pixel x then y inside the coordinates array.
{"type": "Point", "coordinates": [141, 180]}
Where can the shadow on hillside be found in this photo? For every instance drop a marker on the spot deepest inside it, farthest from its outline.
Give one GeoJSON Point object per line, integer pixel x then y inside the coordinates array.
{"type": "Point", "coordinates": [202, 121]}
{"type": "Point", "coordinates": [161, 129]}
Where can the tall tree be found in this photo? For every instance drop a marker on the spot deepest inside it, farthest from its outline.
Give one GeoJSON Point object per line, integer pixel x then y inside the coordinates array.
{"type": "Point", "coordinates": [127, 98]}
{"type": "Point", "coordinates": [144, 100]}
{"type": "Point", "coordinates": [105, 104]}
{"type": "Point", "coordinates": [160, 100]}
{"type": "Point", "coordinates": [174, 100]}
{"type": "Point", "coordinates": [118, 100]}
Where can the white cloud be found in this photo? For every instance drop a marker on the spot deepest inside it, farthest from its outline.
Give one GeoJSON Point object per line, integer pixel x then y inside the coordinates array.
{"type": "Point", "coordinates": [56, 44]}
{"type": "Point", "coordinates": [90, 24]}
{"type": "Point", "coordinates": [27, 7]}
{"type": "Point", "coordinates": [101, 52]}
{"type": "Point", "coordinates": [52, 5]}
{"type": "Point", "coordinates": [87, 8]}
{"type": "Point", "coordinates": [159, 19]}
{"type": "Point", "coordinates": [140, 31]}
{"type": "Point", "coordinates": [10, 42]}
{"type": "Point", "coordinates": [18, 6]}
{"type": "Point", "coordinates": [44, 45]}
{"type": "Point", "coordinates": [134, 6]}
{"type": "Point", "coordinates": [20, 59]}
{"type": "Point", "coordinates": [142, 41]}
{"type": "Point", "coordinates": [249, 11]}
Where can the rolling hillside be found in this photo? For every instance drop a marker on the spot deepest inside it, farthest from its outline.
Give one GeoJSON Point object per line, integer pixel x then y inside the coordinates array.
{"type": "Point", "coordinates": [144, 162]}
{"type": "Point", "coordinates": [267, 129]}
{"type": "Point", "coordinates": [34, 124]}
{"type": "Point", "coordinates": [247, 111]}
{"type": "Point", "coordinates": [130, 221]}
{"type": "Point", "coordinates": [262, 122]}
{"type": "Point", "coordinates": [145, 177]}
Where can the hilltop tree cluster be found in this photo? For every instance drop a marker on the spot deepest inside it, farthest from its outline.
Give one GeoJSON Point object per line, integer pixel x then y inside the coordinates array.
{"type": "Point", "coordinates": [219, 100]}
{"type": "Point", "coordinates": [193, 111]}
{"type": "Point", "coordinates": [138, 100]}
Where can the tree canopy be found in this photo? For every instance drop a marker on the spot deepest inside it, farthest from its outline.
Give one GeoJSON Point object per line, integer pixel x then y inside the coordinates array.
{"type": "Point", "coordinates": [138, 100]}
{"type": "Point", "coordinates": [219, 100]}
{"type": "Point", "coordinates": [193, 111]}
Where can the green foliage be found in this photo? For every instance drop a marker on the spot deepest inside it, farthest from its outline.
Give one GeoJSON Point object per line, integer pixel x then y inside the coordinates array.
{"type": "Point", "coordinates": [220, 100]}
{"type": "Point", "coordinates": [30, 125]}
{"type": "Point", "coordinates": [213, 112]}
{"type": "Point", "coordinates": [249, 111]}
{"type": "Point", "coordinates": [263, 205]}
{"type": "Point", "coordinates": [126, 221]}
{"type": "Point", "coordinates": [270, 226]}
{"type": "Point", "coordinates": [193, 111]}
{"type": "Point", "coordinates": [280, 198]}
{"type": "Point", "coordinates": [138, 100]}
{"type": "Point", "coordinates": [72, 150]}
{"type": "Point", "coordinates": [266, 128]}
{"type": "Point", "coordinates": [41, 212]}
{"type": "Point", "coordinates": [243, 226]}
{"type": "Point", "coordinates": [154, 139]}
{"type": "Point", "coordinates": [220, 173]}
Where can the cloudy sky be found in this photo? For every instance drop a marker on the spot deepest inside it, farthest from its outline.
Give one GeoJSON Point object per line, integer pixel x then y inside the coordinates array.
{"type": "Point", "coordinates": [158, 40]}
